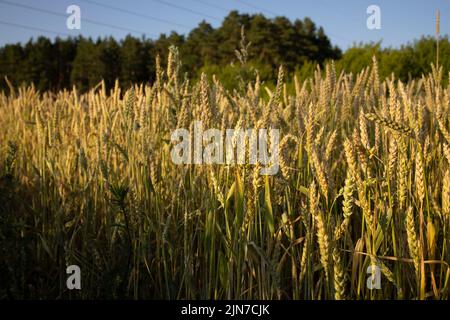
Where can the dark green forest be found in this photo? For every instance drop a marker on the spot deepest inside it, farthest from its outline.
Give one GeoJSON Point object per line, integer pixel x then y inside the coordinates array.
{"type": "Point", "coordinates": [299, 46]}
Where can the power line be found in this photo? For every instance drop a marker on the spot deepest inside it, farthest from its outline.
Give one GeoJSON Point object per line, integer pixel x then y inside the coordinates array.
{"type": "Point", "coordinates": [274, 13]}
{"type": "Point", "coordinates": [137, 14]}
{"type": "Point", "coordinates": [257, 8]}
{"type": "Point", "coordinates": [212, 5]}
{"type": "Point", "coordinates": [100, 23]}
{"type": "Point", "coordinates": [65, 16]}
{"type": "Point", "coordinates": [186, 9]}
{"type": "Point", "coordinates": [339, 37]}
{"type": "Point", "coordinates": [11, 24]}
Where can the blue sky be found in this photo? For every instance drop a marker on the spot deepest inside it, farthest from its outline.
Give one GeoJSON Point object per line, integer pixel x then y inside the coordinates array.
{"type": "Point", "coordinates": [344, 21]}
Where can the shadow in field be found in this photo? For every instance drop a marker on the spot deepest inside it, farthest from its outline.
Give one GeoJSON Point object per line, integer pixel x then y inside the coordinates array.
{"type": "Point", "coordinates": [35, 250]}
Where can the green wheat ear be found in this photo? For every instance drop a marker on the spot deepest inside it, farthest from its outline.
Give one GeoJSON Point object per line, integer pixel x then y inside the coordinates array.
{"type": "Point", "coordinates": [11, 158]}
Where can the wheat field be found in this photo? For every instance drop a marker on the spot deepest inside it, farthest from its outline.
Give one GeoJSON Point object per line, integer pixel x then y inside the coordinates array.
{"type": "Point", "coordinates": [364, 180]}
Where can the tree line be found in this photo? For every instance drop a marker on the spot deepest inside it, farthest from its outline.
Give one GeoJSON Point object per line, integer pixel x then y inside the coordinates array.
{"type": "Point", "coordinates": [84, 62]}
{"type": "Point", "coordinates": [299, 46]}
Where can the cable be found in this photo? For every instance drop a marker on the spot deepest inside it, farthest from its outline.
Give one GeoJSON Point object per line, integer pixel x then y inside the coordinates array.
{"type": "Point", "coordinates": [33, 28]}
{"type": "Point", "coordinates": [137, 14]}
{"type": "Point", "coordinates": [256, 7]}
{"type": "Point", "coordinates": [212, 5]}
{"type": "Point", "coordinates": [186, 9]}
{"type": "Point", "coordinates": [338, 37]}
{"type": "Point", "coordinates": [271, 12]}
{"type": "Point", "coordinates": [65, 16]}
